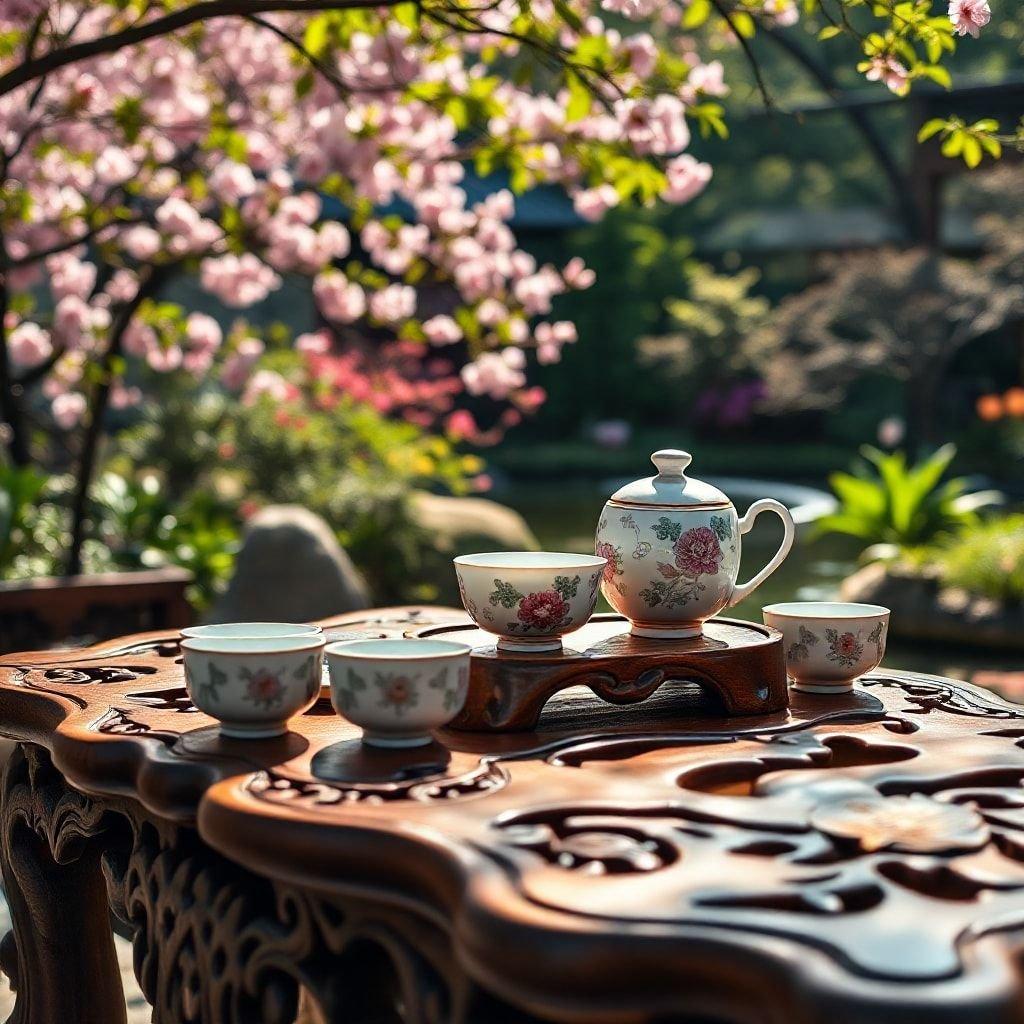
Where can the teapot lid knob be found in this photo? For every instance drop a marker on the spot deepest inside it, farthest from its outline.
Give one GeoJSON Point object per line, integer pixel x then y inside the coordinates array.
{"type": "Point", "coordinates": [671, 463]}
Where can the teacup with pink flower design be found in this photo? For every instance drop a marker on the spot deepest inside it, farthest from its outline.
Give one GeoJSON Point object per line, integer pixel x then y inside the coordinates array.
{"type": "Point", "coordinates": [398, 690]}
{"type": "Point", "coordinates": [828, 644]}
{"type": "Point", "coordinates": [530, 599]}
{"type": "Point", "coordinates": [253, 684]}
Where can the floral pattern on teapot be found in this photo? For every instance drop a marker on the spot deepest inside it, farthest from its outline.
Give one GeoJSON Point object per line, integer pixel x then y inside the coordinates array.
{"type": "Point", "coordinates": [672, 564]}
{"type": "Point", "coordinates": [672, 549]}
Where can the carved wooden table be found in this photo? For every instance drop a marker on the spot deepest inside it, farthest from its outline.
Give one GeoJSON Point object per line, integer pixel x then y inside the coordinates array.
{"type": "Point", "coordinates": [853, 859]}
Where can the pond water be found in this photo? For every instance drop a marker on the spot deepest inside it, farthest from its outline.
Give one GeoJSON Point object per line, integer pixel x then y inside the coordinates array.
{"type": "Point", "coordinates": [563, 518]}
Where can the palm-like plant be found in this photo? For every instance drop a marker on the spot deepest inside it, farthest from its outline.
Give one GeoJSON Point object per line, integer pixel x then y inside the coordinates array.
{"type": "Point", "coordinates": [904, 505]}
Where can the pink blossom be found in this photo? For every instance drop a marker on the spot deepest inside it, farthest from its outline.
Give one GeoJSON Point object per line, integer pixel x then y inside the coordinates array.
{"type": "Point", "coordinates": [122, 397]}
{"type": "Point", "coordinates": [577, 275]}
{"type": "Point", "coordinates": [266, 383]}
{"type": "Point", "coordinates": [138, 338]}
{"type": "Point", "coordinates": [642, 52]}
{"type": "Point", "coordinates": [29, 345]}
{"type": "Point", "coordinates": [491, 312]}
{"type": "Point", "coordinates": [114, 166]}
{"type": "Point", "coordinates": [315, 344]}
{"type": "Point", "coordinates": [203, 332]}
{"type": "Point", "coordinates": [238, 280]}
{"type": "Point", "coordinates": [969, 17]}
{"type": "Point", "coordinates": [593, 203]}
{"type": "Point", "coordinates": [239, 365]}
{"type": "Point", "coordinates": [392, 304]}
{"type": "Point", "coordinates": [72, 318]}
{"type": "Point", "coordinates": [141, 242]}
{"type": "Point", "coordinates": [68, 409]}
{"type": "Point", "coordinates": [686, 177]}
{"type": "Point", "coordinates": [891, 72]}
{"type": "Point", "coordinates": [656, 126]}
{"type": "Point", "coordinates": [461, 425]}
{"type": "Point", "coordinates": [232, 182]}
{"type": "Point", "coordinates": [708, 79]}
{"type": "Point", "coordinates": [163, 358]}
{"type": "Point", "coordinates": [782, 12]}
{"type": "Point", "coordinates": [442, 330]}
{"type": "Point", "coordinates": [634, 9]}
{"type": "Point", "coordinates": [70, 276]}
{"type": "Point", "coordinates": [338, 298]}
{"type": "Point", "coordinates": [495, 374]}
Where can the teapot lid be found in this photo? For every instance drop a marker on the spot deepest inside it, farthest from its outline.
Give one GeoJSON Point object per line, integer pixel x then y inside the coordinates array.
{"type": "Point", "coordinates": [671, 488]}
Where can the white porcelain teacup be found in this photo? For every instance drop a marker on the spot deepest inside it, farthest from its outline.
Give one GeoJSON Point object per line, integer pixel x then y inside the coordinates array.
{"type": "Point", "coordinates": [530, 599]}
{"type": "Point", "coordinates": [828, 644]}
{"type": "Point", "coordinates": [253, 685]}
{"type": "Point", "coordinates": [398, 690]}
{"type": "Point", "coordinates": [251, 629]}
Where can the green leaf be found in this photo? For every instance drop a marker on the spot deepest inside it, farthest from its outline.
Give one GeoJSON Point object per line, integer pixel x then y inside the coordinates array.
{"type": "Point", "coordinates": [696, 14]}
{"type": "Point", "coordinates": [579, 98]}
{"type": "Point", "coordinates": [568, 15]}
{"type": "Point", "coordinates": [930, 128]}
{"type": "Point", "coordinates": [937, 73]}
{"type": "Point", "coordinates": [972, 151]}
{"type": "Point", "coordinates": [954, 144]}
{"type": "Point", "coordinates": [743, 24]}
{"type": "Point", "coordinates": [317, 33]}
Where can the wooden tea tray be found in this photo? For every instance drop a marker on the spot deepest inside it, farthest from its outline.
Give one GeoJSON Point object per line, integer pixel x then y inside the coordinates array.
{"type": "Point", "coordinates": [741, 663]}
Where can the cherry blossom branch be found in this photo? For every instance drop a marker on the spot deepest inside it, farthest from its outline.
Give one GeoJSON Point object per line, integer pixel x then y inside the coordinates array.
{"type": "Point", "coordinates": [755, 68]}
{"type": "Point", "coordinates": [30, 70]}
{"type": "Point", "coordinates": [70, 243]}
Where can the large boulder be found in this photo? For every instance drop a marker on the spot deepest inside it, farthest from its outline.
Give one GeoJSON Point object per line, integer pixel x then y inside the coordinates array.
{"type": "Point", "coordinates": [463, 526]}
{"type": "Point", "coordinates": [290, 568]}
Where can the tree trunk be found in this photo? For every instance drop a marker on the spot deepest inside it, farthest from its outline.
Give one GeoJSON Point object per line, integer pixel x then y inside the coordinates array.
{"type": "Point", "coordinates": [148, 285]}
{"type": "Point", "coordinates": [10, 394]}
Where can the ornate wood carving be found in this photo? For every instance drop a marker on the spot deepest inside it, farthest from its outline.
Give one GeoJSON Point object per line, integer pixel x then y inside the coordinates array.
{"type": "Point", "coordinates": [62, 962]}
{"type": "Point", "coordinates": [741, 664]}
{"type": "Point", "coordinates": [855, 857]}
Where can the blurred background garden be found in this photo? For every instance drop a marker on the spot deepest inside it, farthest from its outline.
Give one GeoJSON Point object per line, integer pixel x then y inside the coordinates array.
{"type": "Point", "coordinates": [816, 304]}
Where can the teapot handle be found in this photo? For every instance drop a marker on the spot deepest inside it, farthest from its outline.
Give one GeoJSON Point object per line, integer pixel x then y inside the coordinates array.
{"type": "Point", "coordinates": [742, 590]}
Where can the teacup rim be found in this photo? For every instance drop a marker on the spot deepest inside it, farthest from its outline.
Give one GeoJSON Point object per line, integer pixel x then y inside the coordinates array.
{"type": "Point", "coordinates": [499, 560]}
{"type": "Point", "coordinates": [856, 609]}
{"type": "Point", "coordinates": [275, 644]}
{"type": "Point", "coordinates": [450, 649]}
{"type": "Point", "coordinates": [203, 631]}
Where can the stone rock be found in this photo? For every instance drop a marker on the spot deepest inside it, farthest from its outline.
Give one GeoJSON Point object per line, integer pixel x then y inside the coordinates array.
{"type": "Point", "coordinates": [923, 610]}
{"type": "Point", "coordinates": [290, 568]}
{"type": "Point", "coordinates": [463, 526]}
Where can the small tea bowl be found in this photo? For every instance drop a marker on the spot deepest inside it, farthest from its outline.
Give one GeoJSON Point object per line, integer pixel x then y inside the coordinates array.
{"type": "Point", "coordinates": [246, 630]}
{"type": "Point", "coordinates": [530, 599]}
{"type": "Point", "coordinates": [253, 685]}
{"type": "Point", "coordinates": [397, 691]}
{"type": "Point", "coordinates": [828, 644]}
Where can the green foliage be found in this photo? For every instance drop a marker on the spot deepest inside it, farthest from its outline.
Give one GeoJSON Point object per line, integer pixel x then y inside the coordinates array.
{"type": "Point", "coordinates": [890, 502]}
{"type": "Point", "coordinates": [970, 142]}
{"type": "Point", "coordinates": [984, 558]}
{"type": "Point", "coordinates": [341, 459]}
{"type": "Point", "coordinates": [20, 489]}
{"type": "Point", "coordinates": [142, 529]}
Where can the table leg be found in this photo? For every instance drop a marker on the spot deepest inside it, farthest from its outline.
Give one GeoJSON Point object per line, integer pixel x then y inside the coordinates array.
{"type": "Point", "coordinates": [60, 957]}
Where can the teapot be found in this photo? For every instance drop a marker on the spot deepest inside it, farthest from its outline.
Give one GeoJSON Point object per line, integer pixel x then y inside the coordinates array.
{"type": "Point", "coordinates": [672, 546]}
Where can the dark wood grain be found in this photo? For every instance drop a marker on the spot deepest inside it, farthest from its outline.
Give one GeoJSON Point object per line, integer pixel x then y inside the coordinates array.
{"type": "Point", "coordinates": [856, 857]}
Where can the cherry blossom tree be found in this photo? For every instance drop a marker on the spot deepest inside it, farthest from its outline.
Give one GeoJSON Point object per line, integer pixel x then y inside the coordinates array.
{"type": "Point", "coordinates": [143, 140]}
